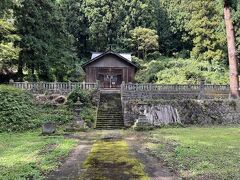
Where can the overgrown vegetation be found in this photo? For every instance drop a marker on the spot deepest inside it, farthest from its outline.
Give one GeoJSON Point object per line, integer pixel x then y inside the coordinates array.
{"type": "Point", "coordinates": [19, 111]}
{"type": "Point", "coordinates": [30, 156]}
{"type": "Point", "coordinates": [204, 153]}
{"type": "Point", "coordinates": [181, 71]}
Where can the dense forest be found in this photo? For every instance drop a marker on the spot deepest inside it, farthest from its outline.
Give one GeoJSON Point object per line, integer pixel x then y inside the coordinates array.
{"type": "Point", "coordinates": [173, 41]}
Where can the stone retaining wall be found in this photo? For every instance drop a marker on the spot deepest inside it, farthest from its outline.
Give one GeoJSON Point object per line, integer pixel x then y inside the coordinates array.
{"type": "Point", "coordinates": [168, 92]}
{"type": "Point", "coordinates": [191, 112]}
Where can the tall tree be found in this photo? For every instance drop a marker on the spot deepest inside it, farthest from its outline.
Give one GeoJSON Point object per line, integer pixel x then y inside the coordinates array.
{"type": "Point", "coordinates": [46, 45]}
{"type": "Point", "coordinates": [205, 30]}
{"type": "Point", "coordinates": [232, 52]}
{"type": "Point", "coordinates": [144, 40]}
{"type": "Point", "coordinates": [173, 35]}
{"type": "Point", "coordinates": [9, 51]}
{"type": "Point", "coordinates": [77, 23]}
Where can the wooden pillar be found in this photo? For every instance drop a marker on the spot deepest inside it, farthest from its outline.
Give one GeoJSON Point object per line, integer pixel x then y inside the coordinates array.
{"type": "Point", "coordinates": [127, 76]}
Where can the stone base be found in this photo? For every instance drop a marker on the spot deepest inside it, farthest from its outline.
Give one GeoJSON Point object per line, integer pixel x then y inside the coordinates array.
{"type": "Point", "coordinates": [76, 126]}
{"type": "Point", "coordinates": [142, 126]}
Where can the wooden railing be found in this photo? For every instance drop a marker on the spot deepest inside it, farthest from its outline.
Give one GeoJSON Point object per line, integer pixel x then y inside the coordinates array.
{"type": "Point", "coordinates": [53, 87]}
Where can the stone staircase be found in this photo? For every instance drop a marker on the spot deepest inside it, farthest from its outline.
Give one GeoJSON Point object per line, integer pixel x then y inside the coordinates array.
{"type": "Point", "coordinates": [110, 112]}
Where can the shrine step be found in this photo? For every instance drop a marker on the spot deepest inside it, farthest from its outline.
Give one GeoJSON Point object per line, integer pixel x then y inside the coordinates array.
{"type": "Point", "coordinates": [110, 112]}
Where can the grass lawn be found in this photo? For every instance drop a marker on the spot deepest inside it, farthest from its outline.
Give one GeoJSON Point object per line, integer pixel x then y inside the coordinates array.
{"type": "Point", "coordinates": [204, 153]}
{"type": "Point", "coordinates": [28, 155]}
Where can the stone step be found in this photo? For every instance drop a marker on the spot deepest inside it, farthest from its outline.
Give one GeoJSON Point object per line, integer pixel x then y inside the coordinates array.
{"type": "Point", "coordinates": [107, 122]}
{"type": "Point", "coordinates": [110, 112]}
{"type": "Point", "coordinates": [109, 126]}
{"type": "Point", "coordinates": [98, 125]}
{"type": "Point", "coordinates": [110, 117]}
{"type": "Point", "coordinates": [110, 120]}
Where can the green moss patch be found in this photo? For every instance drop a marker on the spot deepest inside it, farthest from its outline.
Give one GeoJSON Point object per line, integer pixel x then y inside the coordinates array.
{"type": "Point", "coordinates": [111, 159]}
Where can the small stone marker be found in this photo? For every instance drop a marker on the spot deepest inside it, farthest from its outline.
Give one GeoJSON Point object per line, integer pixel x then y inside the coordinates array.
{"type": "Point", "coordinates": [48, 128]}
{"type": "Point", "coordinates": [142, 122]}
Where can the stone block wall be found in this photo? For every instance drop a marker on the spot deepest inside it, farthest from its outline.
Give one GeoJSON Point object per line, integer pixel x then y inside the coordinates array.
{"type": "Point", "coordinates": [190, 111]}
{"type": "Point", "coordinates": [168, 95]}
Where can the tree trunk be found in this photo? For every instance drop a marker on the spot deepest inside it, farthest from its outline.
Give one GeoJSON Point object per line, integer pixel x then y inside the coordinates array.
{"type": "Point", "coordinates": [232, 53]}
{"type": "Point", "coordinates": [20, 68]}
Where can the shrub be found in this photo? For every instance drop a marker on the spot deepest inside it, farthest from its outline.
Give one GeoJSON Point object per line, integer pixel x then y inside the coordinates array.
{"type": "Point", "coordinates": [16, 109]}
{"type": "Point", "coordinates": [182, 71]}
{"type": "Point", "coordinates": [19, 111]}
{"type": "Point", "coordinates": [84, 95]}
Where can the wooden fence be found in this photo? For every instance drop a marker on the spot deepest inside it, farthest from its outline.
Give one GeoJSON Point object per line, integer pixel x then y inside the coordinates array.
{"type": "Point", "coordinates": [53, 87]}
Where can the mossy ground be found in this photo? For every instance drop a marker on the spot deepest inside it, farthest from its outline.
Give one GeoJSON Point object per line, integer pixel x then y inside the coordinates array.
{"type": "Point", "coordinates": [111, 159]}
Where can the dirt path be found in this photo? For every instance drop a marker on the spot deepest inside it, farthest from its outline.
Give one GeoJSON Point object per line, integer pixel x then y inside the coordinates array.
{"type": "Point", "coordinates": [110, 155]}
{"type": "Point", "coordinates": [152, 166]}
{"type": "Point", "coordinates": [71, 167]}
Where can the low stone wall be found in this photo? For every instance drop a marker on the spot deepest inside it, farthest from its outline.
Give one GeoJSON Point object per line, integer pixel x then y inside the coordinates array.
{"type": "Point", "coordinates": [168, 92]}
{"type": "Point", "coordinates": [190, 112]}
{"type": "Point", "coordinates": [167, 95]}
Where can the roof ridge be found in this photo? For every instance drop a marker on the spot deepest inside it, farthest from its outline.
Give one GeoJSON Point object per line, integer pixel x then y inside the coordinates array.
{"type": "Point", "coordinates": [109, 52]}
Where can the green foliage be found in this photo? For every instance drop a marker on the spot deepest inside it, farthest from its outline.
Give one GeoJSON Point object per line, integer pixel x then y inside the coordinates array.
{"type": "Point", "coordinates": [197, 26]}
{"type": "Point", "coordinates": [96, 24]}
{"type": "Point", "coordinates": [209, 44]}
{"type": "Point", "coordinates": [236, 17]}
{"type": "Point", "coordinates": [60, 116]}
{"type": "Point", "coordinates": [46, 44]}
{"type": "Point", "coordinates": [182, 71]}
{"type": "Point", "coordinates": [144, 40]}
{"type": "Point", "coordinates": [19, 112]}
{"type": "Point", "coordinates": [16, 109]}
{"type": "Point", "coordinates": [84, 97]}
{"type": "Point", "coordinates": [29, 156]}
{"type": "Point", "coordinates": [49, 40]}
{"type": "Point", "coordinates": [9, 52]}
